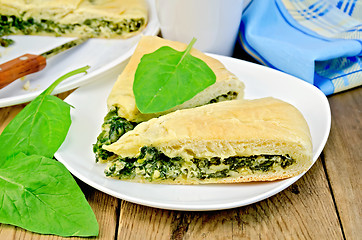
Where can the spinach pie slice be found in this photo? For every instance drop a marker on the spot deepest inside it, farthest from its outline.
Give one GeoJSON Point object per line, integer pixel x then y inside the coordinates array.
{"type": "Point", "coordinates": [73, 18]}
{"type": "Point", "coordinates": [227, 142]}
{"type": "Point", "coordinates": [123, 113]}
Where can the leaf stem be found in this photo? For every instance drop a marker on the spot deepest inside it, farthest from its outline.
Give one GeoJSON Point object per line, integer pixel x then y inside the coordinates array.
{"type": "Point", "coordinates": [187, 50]}
{"type": "Point", "coordinates": [189, 47]}
{"type": "Point", "coordinates": [50, 89]}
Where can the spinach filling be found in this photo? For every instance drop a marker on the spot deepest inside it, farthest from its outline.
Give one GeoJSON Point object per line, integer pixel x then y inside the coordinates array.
{"type": "Point", "coordinates": [224, 97]}
{"type": "Point", "coordinates": [113, 128]}
{"type": "Point", "coordinates": [6, 42]}
{"type": "Point", "coordinates": [12, 25]}
{"type": "Point", "coordinates": [152, 164]}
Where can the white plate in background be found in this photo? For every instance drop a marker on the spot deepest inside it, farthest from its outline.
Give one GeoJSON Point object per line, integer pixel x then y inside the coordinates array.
{"type": "Point", "coordinates": [90, 108]}
{"type": "Point", "coordinates": [100, 54]}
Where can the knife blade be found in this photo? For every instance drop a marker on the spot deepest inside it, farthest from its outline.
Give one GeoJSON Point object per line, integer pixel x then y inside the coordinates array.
{"type": "Point", "coordinates": [31, 63]}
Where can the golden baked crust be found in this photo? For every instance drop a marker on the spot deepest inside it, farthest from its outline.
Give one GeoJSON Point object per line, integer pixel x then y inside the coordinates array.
{"type": "Point", "coordinates": [122, 96]}
{"type": "Point", "coordinates": [123, 113]}
{"type": "Point", "coordinates": [93, 18]}
{"type": "Point", "coordinates": [265, 126]}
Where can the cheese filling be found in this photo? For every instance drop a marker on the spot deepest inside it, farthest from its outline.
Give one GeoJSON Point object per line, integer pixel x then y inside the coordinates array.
{"type": "Point", "coordinates": [90, 27]}
{"type": "Point", "coordinates": [153, 165]}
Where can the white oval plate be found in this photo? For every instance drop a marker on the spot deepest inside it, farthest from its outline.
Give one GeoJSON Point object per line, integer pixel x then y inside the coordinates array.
{"type": "Point", "coordinates": [100, 54]}
{"type": "Point", "coordinates": [90, 108]}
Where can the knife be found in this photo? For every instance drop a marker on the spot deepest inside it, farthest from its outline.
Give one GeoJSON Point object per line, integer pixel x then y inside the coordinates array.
{"type": "Point", "coordinates": [31, 63]}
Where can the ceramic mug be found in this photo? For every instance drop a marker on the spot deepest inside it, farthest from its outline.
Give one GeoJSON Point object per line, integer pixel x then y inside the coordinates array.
{"type": "Point", "coordinates": [214, 23]}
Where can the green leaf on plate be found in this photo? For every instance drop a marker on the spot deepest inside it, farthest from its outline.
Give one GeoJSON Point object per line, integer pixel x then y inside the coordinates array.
{"type": "Point", "coordinates": [40, 195]}
{"type": "Point", "coordinates": [41, 127]}
{"type": "Point", "coordinates": [167, 78]}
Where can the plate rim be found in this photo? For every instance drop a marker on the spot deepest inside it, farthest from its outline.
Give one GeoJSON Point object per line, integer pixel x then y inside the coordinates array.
{"type": "Point", "coordinates": [221, 206]}
{"type": "Point", "coordinates": [152, 29]}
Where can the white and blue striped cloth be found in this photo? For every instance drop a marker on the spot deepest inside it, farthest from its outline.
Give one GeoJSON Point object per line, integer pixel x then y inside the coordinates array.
{"type": "Point", "coordinates": [319, 41]}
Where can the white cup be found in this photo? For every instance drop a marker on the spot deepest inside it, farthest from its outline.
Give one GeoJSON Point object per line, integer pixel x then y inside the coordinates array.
{"type": "Point", "coordinates": [214, 23]}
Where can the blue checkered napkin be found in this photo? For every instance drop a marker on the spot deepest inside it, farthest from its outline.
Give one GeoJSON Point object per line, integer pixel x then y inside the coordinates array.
{"type": "Point", "coordinates": [319, 41]}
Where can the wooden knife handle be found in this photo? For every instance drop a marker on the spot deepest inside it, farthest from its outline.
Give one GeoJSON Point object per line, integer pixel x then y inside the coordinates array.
{"type": "Point", "coordinates": [20, 67]}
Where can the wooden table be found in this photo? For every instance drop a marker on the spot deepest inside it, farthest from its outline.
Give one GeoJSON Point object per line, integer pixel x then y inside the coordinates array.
{"type": "Point", "coordinates": [326, 203]}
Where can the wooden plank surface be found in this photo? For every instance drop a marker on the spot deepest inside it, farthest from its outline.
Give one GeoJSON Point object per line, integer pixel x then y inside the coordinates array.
{"type": "Point", "coordinates": [343, 159]}
{"type": "Point", "coordinates": [305, 210]}
{"type": "Point", "coordinates": [323, 204]}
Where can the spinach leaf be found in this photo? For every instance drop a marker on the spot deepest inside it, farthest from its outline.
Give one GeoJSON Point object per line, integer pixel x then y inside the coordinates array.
{"type": "Point", "coordinates": [40, 195]}
{"type": "Point", "coordinates": [36, 192]}
{"type": "Point", "coordinates": [167, 78]}
{"type": "Point", "coordinates": [41, 127]}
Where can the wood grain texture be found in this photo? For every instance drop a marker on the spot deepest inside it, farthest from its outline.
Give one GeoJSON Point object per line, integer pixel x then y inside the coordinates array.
{"type": "Point", "coordinates": [7, 114]}
{"type": "Point", "coordinates": [305, 210]}
{"type": "Point", "coordinates": [299, 212]}
{"type": "Point", "coordinates": [106, 210]}
{"type": "Point", "coordinates": [140, 222]}
{"type": "Point", "coordinates": [324, 204]}
{"type": "Point", "coordinates": [343, 159]}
